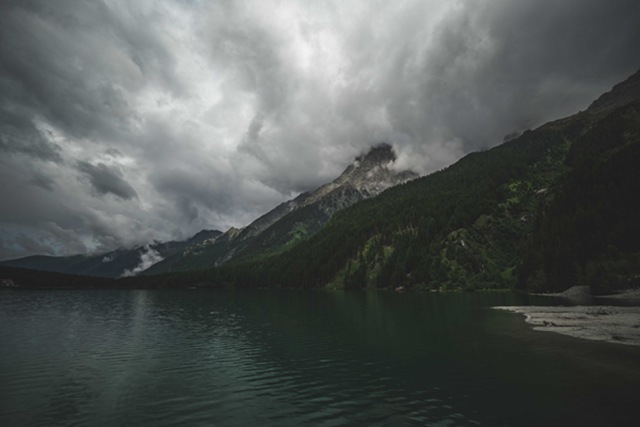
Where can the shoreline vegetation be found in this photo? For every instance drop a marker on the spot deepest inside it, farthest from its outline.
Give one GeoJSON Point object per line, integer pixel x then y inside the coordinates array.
{"type": "Point", "coordinates": [611, 318]}
{"type": "Point", "coordinates": [554, 207]}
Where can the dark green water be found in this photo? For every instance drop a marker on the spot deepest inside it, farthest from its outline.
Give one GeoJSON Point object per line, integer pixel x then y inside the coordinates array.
{"type": "Point", "coordinates": [273, 358]}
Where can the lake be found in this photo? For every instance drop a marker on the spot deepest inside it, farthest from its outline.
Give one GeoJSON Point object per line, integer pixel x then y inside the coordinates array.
{"type": "Point", "coordinates": [278, 358]}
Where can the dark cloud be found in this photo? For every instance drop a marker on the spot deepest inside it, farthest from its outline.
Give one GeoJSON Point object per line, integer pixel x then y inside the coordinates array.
{"type": "Point", "coordinates": [18, 134]}
{"type": "Point", "coordinates": [50, 239]}
{"type": "Point", "coordinates": [42, 181]}
{"type": "Point", "coordinates": [105, 180]}
{"type": "Point", "coordinates": [190, 115]}
{"type": "Point", "coordinates": [17, 246]}
{"type": "Point", "coordinates": [75, 66]}
{"type": "Point", "coordinates": [509, 64]}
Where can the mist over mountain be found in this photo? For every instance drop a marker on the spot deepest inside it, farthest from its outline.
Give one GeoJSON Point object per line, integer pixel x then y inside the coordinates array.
{"type": "Point", "coordinates": [125, 123]}
{"type": "Point", "coordinates": [552, 208]}
{"type": "Point", "coordinates": [290, 222]}
{"type": "Point", "coordinates": [367, 176]}
{"type": "Point", "coordinates": [119, 263]}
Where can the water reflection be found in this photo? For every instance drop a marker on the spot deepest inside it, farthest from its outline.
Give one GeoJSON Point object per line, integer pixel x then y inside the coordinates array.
{"type": "Point", "coordinates": [291, 358]}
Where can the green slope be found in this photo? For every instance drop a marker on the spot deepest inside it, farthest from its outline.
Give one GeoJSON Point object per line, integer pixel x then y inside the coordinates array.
{"type": "Point", "coordinates": [590, 232]}
{"type": "Point", "coordinates": [556, 207]}
{"type": "Point", "coordinates": [295, 220]}
{"type": "Point", "coordinates": [459, 227]}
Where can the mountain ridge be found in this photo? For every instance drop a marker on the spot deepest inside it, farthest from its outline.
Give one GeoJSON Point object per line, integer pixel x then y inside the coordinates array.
{"type": "Point", "coordinates": [366, 176]}
{"type": "Point", "coordinates": [113, 264]}
{"type": "Point", "coordinates": [550, 209]}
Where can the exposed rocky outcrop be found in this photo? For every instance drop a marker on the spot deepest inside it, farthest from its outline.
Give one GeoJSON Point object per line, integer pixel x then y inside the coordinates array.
{"type": "Point", "coordinates": [367, 176]}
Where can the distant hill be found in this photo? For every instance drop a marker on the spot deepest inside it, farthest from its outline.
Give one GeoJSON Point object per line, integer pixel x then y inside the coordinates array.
{"type": "Point", "coordinates": [120, 262]}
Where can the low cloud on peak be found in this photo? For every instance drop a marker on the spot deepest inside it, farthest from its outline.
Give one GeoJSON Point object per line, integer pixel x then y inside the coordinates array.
{"type": "Point", "coordinates": [124, 123]}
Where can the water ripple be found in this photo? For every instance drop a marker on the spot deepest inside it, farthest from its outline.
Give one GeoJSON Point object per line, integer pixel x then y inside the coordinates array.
{"type": "Point", "coordinates": [166, 359]}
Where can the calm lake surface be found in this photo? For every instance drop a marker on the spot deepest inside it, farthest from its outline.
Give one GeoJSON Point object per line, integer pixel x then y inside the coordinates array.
{"type": "Point", "coordinates": [273, 358]}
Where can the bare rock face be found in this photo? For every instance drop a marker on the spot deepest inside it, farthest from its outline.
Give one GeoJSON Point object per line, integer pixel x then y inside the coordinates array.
{"type": "Point", "coordinates": [619, 325]}
{"type": "Point", "coordinates": [367, 176]}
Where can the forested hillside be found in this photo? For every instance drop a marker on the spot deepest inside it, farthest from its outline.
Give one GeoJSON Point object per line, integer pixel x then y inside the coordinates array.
{"type": "Point", "coordinates": [294, 220]}
{"type": "Point", "coordinates": [463, 227]}
{"type": "Point", "coordinates": [589, 234]}
{"type": "Point", "coordinates": [555, 207]}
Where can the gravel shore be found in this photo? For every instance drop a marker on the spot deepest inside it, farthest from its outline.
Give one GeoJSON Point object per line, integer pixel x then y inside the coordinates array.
{"type": "Point", "coordinates": [613, 324]}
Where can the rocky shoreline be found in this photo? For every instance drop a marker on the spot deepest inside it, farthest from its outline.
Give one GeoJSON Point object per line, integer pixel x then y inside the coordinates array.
{"type": "Point", "coordinates": [618, 323]}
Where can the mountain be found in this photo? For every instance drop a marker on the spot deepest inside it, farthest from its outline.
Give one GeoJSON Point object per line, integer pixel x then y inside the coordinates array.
{"type": "Point", "coordinates": [556, 207]}
{"type": "Point", "coordinates": [588, 233]}
{"type": "Point", "coordinates": [293, 221]}
{"type": "Point", "coordinates": [121, 262]}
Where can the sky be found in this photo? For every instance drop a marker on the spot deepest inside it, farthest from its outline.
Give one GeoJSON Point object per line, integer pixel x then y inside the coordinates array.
{"type": "Point", "coordinates": [125, 122]}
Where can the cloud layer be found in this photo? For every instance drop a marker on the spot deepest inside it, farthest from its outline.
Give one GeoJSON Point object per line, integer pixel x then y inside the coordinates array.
{"type": "Point", "coordinates": [123, 122]}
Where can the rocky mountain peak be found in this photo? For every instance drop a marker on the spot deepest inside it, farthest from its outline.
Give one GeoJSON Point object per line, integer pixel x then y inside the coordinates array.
{"type": "Point", "coordinates": [381, 153]}
{"type": "Point", "coordinates": [368, 175]}
{"type": "Point", "coordinates": [379, 156]}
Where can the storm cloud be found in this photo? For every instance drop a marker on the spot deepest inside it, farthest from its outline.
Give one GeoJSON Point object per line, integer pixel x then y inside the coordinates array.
{"type": "Point", "coordinates": [107, 180]}
{"type": "Point", "coordinates": [125, 122]}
